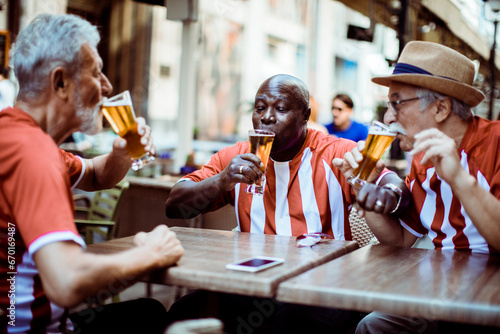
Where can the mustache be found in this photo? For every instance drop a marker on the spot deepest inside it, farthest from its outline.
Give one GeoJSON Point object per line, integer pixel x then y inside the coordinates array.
{"type": "Point", "coordinates": [100, 104]}
{"type": "Point", "coordinates": [396, 127]}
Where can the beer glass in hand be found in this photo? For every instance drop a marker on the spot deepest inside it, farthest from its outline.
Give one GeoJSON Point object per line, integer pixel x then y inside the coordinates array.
{"type": "Point", "coordinates": [120, 114]}
{"type": "Point", "coordinates": [380, 137]}
{"type": "Point", "coordinates": [261, 142]}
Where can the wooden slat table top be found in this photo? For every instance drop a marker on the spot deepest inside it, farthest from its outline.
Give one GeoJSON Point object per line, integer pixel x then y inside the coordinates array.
{"type": "Point", "coordinates": [432, 284]}
{"type": "Point", "coordinates": [208, 251]}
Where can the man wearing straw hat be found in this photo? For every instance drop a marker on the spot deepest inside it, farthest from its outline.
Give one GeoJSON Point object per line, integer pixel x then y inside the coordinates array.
{"type": "Point", "coordinates": [455, 172]}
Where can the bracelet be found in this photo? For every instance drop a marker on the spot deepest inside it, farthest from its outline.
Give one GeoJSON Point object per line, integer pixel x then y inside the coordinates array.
{"type": "Point", "coordinates": [397, 191]}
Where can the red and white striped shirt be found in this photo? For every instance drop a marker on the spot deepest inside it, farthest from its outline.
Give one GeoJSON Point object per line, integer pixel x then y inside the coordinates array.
{"type": "Point", "coordinates": [36, 208]}
{"type": "Point", "coordinates": [304, 195]}
{"type": "Point", "coordinates": [441, 214]}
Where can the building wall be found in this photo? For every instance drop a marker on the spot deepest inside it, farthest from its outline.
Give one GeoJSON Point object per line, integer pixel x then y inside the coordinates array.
{"type": "Point", "coordinates": [241, 43]}
{"type": "Point", "coordinates": [3, 17]}
{"type": "Point", "coordinates": [31, 8]}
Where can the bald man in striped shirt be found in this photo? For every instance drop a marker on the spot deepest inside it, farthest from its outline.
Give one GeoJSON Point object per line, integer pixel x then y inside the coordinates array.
{"type": "Point", "coordinates": [304, 192]}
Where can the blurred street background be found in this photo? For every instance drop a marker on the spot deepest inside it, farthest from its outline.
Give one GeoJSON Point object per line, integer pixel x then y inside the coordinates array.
{"type": "Point", "coordinates": [193, 66]}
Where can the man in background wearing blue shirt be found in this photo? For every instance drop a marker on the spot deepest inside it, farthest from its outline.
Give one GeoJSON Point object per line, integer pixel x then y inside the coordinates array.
{"type": "Point", "coordinates": [342, 125]}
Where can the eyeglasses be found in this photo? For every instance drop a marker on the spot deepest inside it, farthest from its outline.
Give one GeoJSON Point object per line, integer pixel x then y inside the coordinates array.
{"type": "Point", "coordinates": [394, 105]}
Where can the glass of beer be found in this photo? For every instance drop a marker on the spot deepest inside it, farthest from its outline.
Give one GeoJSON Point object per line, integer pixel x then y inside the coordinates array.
{"type": "Point", "coordinates": [261, 142]}
{"type": "Point", "coordinates": [120, 114]}
{"type": "Point", "coordinates": [380, 137]}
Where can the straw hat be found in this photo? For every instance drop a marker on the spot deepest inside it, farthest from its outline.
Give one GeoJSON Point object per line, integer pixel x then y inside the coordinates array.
{"type": "Point", "coordinates": [436, 67]}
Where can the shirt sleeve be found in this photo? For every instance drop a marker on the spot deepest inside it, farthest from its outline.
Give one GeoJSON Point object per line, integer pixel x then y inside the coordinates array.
{"type": "Point", "coordinates": [41, 198]}
{"type": "Point", "coordinates": [74, 165]}
{"type": "Point", "coordinates": [217, 164]}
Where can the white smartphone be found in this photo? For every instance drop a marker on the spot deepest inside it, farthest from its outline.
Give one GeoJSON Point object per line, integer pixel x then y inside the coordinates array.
{"type": "Point", "coordinates": [254, 264]}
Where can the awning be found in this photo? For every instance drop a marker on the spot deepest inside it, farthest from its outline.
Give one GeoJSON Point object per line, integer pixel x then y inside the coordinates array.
{"type": "Point", "coordinates": [444, 10]}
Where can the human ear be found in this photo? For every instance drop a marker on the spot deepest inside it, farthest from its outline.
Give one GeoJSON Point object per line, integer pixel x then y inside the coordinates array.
{"type": "Point", "coordinates": [443, 109]}
{"type": "Point", "coordinates": [59, 81]}
{"type": "Point", "coordinates": [307, 114]}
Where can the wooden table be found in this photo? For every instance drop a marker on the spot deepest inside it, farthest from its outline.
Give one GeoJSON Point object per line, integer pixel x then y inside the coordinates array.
{"type": "Point", "coordinates": [208, 251]}
{"type": "Point", "coordinates": [442, 285]}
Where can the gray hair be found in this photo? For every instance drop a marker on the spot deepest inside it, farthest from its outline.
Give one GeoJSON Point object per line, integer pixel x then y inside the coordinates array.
{"type": "Point", "coordinates": [47, 42]}
{"type": "Point", "coordinates": [459, 108]}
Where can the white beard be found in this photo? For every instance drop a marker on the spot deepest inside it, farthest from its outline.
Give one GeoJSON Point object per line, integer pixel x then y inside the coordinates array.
{"type": "Point", "coordinates": [90, 118]}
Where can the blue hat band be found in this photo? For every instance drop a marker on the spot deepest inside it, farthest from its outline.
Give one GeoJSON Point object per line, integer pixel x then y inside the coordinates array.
{"type": "Point", "coordinates": [403, 68]}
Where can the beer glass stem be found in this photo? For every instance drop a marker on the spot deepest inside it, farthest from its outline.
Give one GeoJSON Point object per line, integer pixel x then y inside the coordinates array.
{"type": "Point", "coordinates": [142, 161]}
{"type": "Point", "coordinates": [256, 189]}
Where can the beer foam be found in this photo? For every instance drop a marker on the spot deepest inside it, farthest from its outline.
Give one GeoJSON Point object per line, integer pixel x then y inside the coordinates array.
{"type": "Point", "coordinates": [381, 132]}
{"type": "Point", "coordinates": [262, 135]}
{"type": "Point", "coordinates": [117, 103]}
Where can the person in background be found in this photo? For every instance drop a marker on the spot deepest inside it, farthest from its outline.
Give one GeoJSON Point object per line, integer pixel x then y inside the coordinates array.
{"type": "Point", "coordinates": [61, 88]}
{"type": "Point", "coordinates": [343, 126]}
{"type": "Point", "coordinates": [455, 172]}
{"type": "Point", "coordinates": [7, 89]}
{"type": "Point", "coordinates": [312, 123]}
{"type": "Point", "coordinates": [304, 193]}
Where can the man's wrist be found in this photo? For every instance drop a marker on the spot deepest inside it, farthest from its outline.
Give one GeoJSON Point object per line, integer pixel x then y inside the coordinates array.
{"type": "Point", "coordinates": [464, 182]}
{"type": "Point", "coordinates": [397, 191]}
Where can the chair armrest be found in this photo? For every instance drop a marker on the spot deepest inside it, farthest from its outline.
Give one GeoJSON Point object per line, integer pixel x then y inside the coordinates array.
{"type": "Point", "coordinates": [83, 198]}
{"type": "Point", "coordinates": [103, 223]}
{"type": "Point", "coordinates": [82, 209]}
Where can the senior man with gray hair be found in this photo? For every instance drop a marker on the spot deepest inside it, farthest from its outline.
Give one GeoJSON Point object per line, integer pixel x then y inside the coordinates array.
{"type": "Point", "coordinates": [455, 172]}
{"type": "Point", "coordinates": [43, 256]}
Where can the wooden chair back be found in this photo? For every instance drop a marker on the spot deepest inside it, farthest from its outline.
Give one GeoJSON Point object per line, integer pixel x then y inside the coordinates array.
{"type": "Point", "coordinates": [102, 213]}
